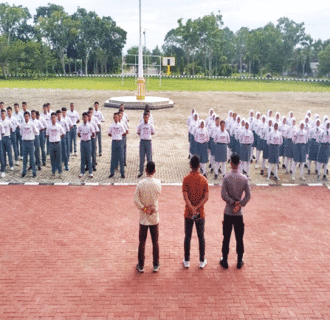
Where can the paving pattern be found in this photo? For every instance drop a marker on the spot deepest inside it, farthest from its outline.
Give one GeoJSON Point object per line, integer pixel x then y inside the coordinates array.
{"type": "Point", "coordinates": [70, 253]}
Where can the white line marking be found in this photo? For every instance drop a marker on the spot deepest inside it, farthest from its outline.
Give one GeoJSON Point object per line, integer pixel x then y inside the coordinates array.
{"type": "Point", "coordinates": [315, 184]}
{"type": "Point", "coordinates": [91, 184]}
{"type": "Point", "coordinates": [31, 183]}
{"type": "Point", "coordinates": [262, 185]}
{"type": "Point", "coordinates": [4, 183]}
{"type": "Point", "coordinates": [289, 185]}
{"type": "Point", "coordinates": [61, 184]}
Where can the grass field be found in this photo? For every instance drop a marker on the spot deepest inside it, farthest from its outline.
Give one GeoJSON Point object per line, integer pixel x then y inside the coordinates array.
{"type": "Point", "coordinates": [168, 84]}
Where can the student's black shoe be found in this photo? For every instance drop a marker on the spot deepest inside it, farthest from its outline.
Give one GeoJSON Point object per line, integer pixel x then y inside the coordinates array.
{"type": "Point", "coordinates": [34, 175]}
{"type": "Point", "coordinates": [210, 165]}
{"type": "Point", "coordinates": [228, 161]}
{"type": "Point", "coordinates": [39, 168]}
{"type": "Point", "coordinates": [125, 165]}
{"type": "Point", "coordinates": [44, 163]}
{"type": "Point", "coordinates": [251, 161]}
{"type": "Point", "coordinates": [325, 178]}
{"type": "Point", "coordinates": [224, 263]}
{"type": "Point", "coordinates": [308, 172]}
{"type": "Point", "coordinates": [100, 155]}
{"type": "Point", "coordinates": [216, 177]}
{"type": "Point", "coordinates": [253, 157]}
{"type": "Point", "coordinates": [244, 172]}
{"type": "Point", "coordinates": [86, 168]}
{"type": "Point", "coordinates": [94, 169]}
{"type": "Point", "coordinates": [189, 157]}
{"type": "Point", "coordinates": [316, 172]}
{"type": "Point", "coordinates": [272, 173]}
{"type": "Point", "coordinates": [262, 172]}
{"type": "Point", "coordinates": [139, 269]}
{"type": "Point", "coordinates": [283, 166]}
{"type": "Point", "coordinates": [327, 171]}
{"type": "Point", "coordinates": [306, 166]}
{"type": "Point", "coordinates": [23, 175]}
{"type": "Point", "coordinates": [111, 175]}
{"type": "Point", "coordinates": [290, 171]}
{"type": "Point", "coordinates": [219, 170]}
{"type": "Point", "coordinates": [29, 168]}
{"type": "Point", "coordinates": [123, 176]}
{"type": "Point", "coordinates": [140, 175]}
{"type": "Point", "coordinates": [205, 176]}
{"type": "Point", "coordinates": [212, 170]}
{"type": "Point", "coordinates": [240, 264]}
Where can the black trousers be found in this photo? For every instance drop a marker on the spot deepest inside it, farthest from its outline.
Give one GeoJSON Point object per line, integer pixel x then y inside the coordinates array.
{"type": "Point", "coordinates": [142, 239]}
{"type": "Point", "coordinates": [228, 223]}
{"type": "Point", "coordinates": [188, 226]}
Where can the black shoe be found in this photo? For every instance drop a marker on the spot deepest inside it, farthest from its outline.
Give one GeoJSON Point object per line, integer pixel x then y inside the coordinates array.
{"type": "Point", "coordinates": [205, 176]}
{"type": "Point", "coordinates": [123, 176]}
{"type": "Point", "coordinates": [253, 157]}
{"type": "Point", "coordinates": [139, 269]}
{"type": "Point", "coordinates": [224, 263]}
{"type": "Point", "coordinates": [283, 166]}
{"type": "Point", "coordinates": [210, 165]}
{"type": "Point", "coordinates": [189, 157]}
{"type": "Point", "coordinates": [216, 177]}
{"type": "Point", "coordinates": [306, 166]}
{"type": "Point", "coordinates": [272, 173]}
{"type": "Point", "coordinates": [125, 165]}
{"type": "Point", "coordinates": [34, 175]}
{"type": "Point", "coordinates": [44, 163]}
{"type": "Point", "coordinates": [308, 172]}
{"type": "Point", "coordinates": [94, 169]}
{"type": "Point", "coordinates": [251, 161]}
{"type": "Point", "coordinates": [240, 264]}
{"type": "Point", "coordinates": [23, 175]}
{"type": "Point", "coordinates": [327, 171]}
{"type": "Point", "coordinates": [219, 170]}
{"type": "Point", "coordinates": [111, 175]}
{"type": "Point", "coordinates": [244, 172]}
{"type": "Point", "coordinates": [39, 168]}
{"type": "Point", "coordinates": [211, 170]}
{"type": "Point", "coordinates": [140, 175]}
{"type": "Point", "coordinates": [290, 171]}
{"type": "Point", "coordinates": [228, 161]}
{"type": "Point", "coordinates": [29, 168]}
{"type": "Point", "coordinates": [325, 178]}
{"type": "Point", "coordinates": [262, 172]}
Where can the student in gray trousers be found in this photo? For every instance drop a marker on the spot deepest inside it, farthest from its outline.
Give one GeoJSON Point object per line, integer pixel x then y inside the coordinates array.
{"type": "Point", "coordinates": [234, 184]}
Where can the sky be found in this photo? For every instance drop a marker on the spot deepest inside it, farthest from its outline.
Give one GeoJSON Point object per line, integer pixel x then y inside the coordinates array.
{"type": "Point", "coordinates": [158, 17]}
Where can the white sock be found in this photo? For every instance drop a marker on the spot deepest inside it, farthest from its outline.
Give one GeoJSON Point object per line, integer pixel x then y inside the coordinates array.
{"type": "Point", "coordinates": [216, 168]}
{"type": "Point", "coordinates": [309, 164]}
{"type": "Point", "coordinates": [212, 161]}
{"type": "Point", "coordinates": [293, 168]}
{"type": "Point", "coordinates": [301, 169]}
{"type": "Point", "coordinates": [325, 169]}
{"type": "Point", "coordinates": [290, 164]}
{"type": "Point", "coordinates": [247, 168]}
{"type": "Point", "coordinates": [252, 151]}
{"type": "Point", "coordinates": [269, 171]}
{"type": "Point", "coordinates": [318, 167]}
{"type": "Point", "coordinates": [203, 166]}
{"type": "Point", "coordinates": [263, 164]}
{"type": "Point", "coordinates": [258, 156]}
{"type": "Point", "coordinates": [223, 167]}
{"type": "Point", "coordinates": [276, 171]}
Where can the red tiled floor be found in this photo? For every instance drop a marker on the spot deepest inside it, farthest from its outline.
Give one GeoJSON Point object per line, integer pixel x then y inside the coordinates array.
{"type": "Point", "coordinates": [70, 252]}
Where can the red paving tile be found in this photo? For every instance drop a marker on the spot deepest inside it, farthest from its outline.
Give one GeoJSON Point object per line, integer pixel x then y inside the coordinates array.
{"type": "Point", "coordinates": [70, 252]}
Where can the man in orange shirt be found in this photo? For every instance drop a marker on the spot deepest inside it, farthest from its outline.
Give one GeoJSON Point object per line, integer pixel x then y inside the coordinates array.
{"type": "Point", "coordinates": [195, 190]}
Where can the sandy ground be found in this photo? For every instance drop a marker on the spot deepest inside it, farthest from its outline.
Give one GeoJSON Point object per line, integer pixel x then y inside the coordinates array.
{"type": "Point", "coordinates": [170, 143]}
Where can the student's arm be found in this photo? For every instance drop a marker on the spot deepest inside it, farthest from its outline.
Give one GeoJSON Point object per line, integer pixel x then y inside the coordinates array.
{"type": "Point", "coordinates": [247, 196]}
{"type": "Point", "coordinates": [224, 194]}
{"type": "Point", "coordinates": [186, 199]}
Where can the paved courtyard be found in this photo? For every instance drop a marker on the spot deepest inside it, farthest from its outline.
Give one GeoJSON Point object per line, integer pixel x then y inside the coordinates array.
{"type": "Point", "coordinates": [70, 253]}
{"type": "Point", "coordinates": [170, 143]}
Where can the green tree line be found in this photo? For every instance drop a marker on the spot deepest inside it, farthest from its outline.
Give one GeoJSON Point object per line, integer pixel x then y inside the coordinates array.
{"type": "Point", "coordinates": [56, 42]}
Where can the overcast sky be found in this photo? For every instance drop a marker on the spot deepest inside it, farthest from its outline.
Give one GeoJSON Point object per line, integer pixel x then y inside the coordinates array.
{"type": "Point", "coordinates": [158, 17]}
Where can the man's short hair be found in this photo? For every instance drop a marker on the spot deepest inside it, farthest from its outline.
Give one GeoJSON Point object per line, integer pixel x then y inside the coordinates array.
{"type": "Point", "coordinates": [195, 161]}
{"type": "Point", "coordinates": [45, 105]}
{"type": "Point", "coordinates": [26, 112]}
{"type": "Point", "coordinates": [151, 167]}
{"type": "Point", "coordinates": [24, 102]}
{"type": "Point", "coordinates": [3, 111]}
{"type": "Point", "coordinates": [34, 111]}
{"type": "Point", "coordinates": [146, 114]}
{"type": "Point", "coordinates": [96, 102]}
{"type": "Point", "coordinates": [234, 159]}
{"type": "Point", "coordinates": [58, 111]}
{"type": "Point", "coordinates": [90, 108]}
{"type": "Point", "coordinates": [9, 108]}
{"type": "Point", "coordinates": [64, 109]}
{"type": "Point", "coordinates": [16, 104]}
{"type": "Point", "coordinates": [222, 121]}
{"type": "Point", "coordinates": [85, 114]}
{"type": "Point", "coordinates": [37, 113]}
{"type": "Point", "coordinates": [53, 114]}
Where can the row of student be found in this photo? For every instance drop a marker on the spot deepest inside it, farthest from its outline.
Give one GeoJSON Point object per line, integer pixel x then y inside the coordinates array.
{"type": "Point", "coordinates": [275, 138]}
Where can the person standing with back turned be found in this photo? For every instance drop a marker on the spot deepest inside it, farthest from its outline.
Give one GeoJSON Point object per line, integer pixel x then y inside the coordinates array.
{"type": "Point", "coordinates": [234, 184]}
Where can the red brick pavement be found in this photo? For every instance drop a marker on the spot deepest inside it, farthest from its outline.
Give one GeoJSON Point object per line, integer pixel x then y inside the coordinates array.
{"type": "Point", "coordinates": [70, 252]}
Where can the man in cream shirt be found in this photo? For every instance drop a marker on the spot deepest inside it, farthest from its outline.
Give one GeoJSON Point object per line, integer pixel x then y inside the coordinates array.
{"type": "Point", "coordinates": [146, 199]}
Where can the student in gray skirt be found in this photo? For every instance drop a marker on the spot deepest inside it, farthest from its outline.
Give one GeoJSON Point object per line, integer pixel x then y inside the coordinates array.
{"type": "Point", "coordinates": [324, 151]}
{"type": "Point", "coordinates": [265, 150]}
{"type": "Point", "coordinates": [202, 138]}
{"type": "Point", "coordinates": [246, 141]}
{"type": "Point", "coordinates": [260, 142]}
{"type": "Point", "coordinates": [314, 146]}
{"type": "Point", "coordinates": [283, 128]}
{"type": "Point", "coordinates": [300, 140]}
{"type": "Point", "coordinates": [275, 140]}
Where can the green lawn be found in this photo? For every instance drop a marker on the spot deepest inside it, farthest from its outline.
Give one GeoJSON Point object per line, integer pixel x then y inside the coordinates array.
{"type": "Point", "coordinates": [168, 84]}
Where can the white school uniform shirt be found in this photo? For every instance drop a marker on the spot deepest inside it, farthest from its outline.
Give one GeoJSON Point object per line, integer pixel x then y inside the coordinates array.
{"type": "Point", "coordinates": [239, 132]}
{"type": "Point", "coordinates": [267, 131]}
{"type": "Point", "coordinates": [254, 125]}
{"type": "Point", "coordinates": [99, 115]}
{"type": "Point", "coordinates": [324, 137]}
{"type": "Point", "coordinates": [210, 127]}
{"type": "Point", "coordinates": [291, 131]}
{"type": "Point", "coordinates": [86, 131]}
{"type": "Point", "coordinates": [201, 135]}
{"type": "Point", "coordinates": [290, 120]}
{"type": "Point", "coordinates": [300, 136]}
{"type": "Point", "coordinates": [22, 113]}
{"type": "Point", "coordinates": [96, 120]}
{"type": "Point", "coordinates": [193, 126]}
{"type": "Point", "coordinates": [315, 133]}
{"type": "Point", "coordinates": [222, 137]}
{"type": "Point", "coordinates": [54, 132]}
{"type": "Point", "coordinates": [124, 124]}
{"type": "Point", "coordinates": [2, 131]}
{"type": "Point", "coordinates": [228, 122]}
{"type": "Point", "coordinates": [74, 116]}
{"type": "Point", "coordinates": [46, 117]}
{"type": "Point", "coordinates": [246, 136]}
{"type": "Point", "coordinates": [28, 131]}
{"type": "Point", "coordinates": [214, 131]}
{"type": "Point", "coordinates": [7, 126]}
{"type": "Point", "coordinates": [68, 120]}
{"type": "Point", "coordinates": [151, 118]}
{"type": "Point", "coordinates": [275, 137]}
{"type": "Point", "coordinates": [94, 125]}
{"type": "Point", "coordinates": [64, 124]}
{"type": "Point", "coordinates": [145, 130]}
{"type": "Point", "coordinates": [38, 125]}
{"type": "Point", "coordinates": [43, 122]}
{"type": "Point", "coordinates": [190, 118]}
{"type": "Point", "coordinates": [260, 129]}
{"type": "Point", "coordinates": [116, 130]}
{"type": "Point", "coordinates": [283, 129]}
{"type": "Point", "coordinates": [19, 117]}
{"type": "Point", "coordinates": [234, 128]}
{"type": "Point", "coordinates": [208, 119]}
{"type": "Point", "coordinates": [125, 116]}
{"type": "Point", "coordinates": [14, 123]}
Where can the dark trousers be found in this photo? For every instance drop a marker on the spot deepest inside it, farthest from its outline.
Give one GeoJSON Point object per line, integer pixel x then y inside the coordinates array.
{"type": "Point", "coordinates": [37, 149]}
{"type": "Point", "coordinates": [13, 139]}
{"type": "Point", "coordinates": [188, 226]}
{"type": "Point", "coordinates": [42, 138]}
{"type": "Point", "coordinates": [228, 223]}
{"type": "Point", "coordinates": [142, 243]}
{"type": "Point", "coordinates": [99, 139]}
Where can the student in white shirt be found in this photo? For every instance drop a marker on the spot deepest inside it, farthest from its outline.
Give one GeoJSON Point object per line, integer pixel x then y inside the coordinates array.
{"type": "Point", "coordinates": [190, 118]}
{"type": "Point", "coordinates": [28, 133]}
{"type": "Point", "coordinates": [99, 115]}
{"type": "Point", "coordinates": [43, 137]}
{"type": "Point", "coordinates": [288, 148]}
{"type": "Point", "coordinates": [49, 110]}
{"type": "Point", "coordinates": [300, 140]}
{"type": "Point", "coordinates": [221, 141]}
{"type": "Point", "coordinates": [116, 132]}
{"type": "Point", "coordinates": [24, 107]}
{"type": "Point", "coordinates": [260, 134]}
{"type": "Point", "coordinates": [55, 133]}
{"type": "Point", "coordinates": [202, 138]}
{"type": "Point", "coordinates": [275, 140]}
{"type": "Point", "coordinates": [146, 197]}
{"type": "Point", "coordinates": [324, 151]}
{"type": "Point", "coordinates": [125, 116]}
{"type": "Point", "coordinates": [192, 127]}
{"type": "Point", "coordinates": [290, 119]}
{"type": "Point", "coordinates": [209, 118]}
{"type": "Point", "coordinates": [246, 141]}
{"type": "Point", "coordinates": [85, 133]}
{"type": "Point", "coordinates": [93, 140]}
{"type": "Point", "coordinates": [211, 128]}
{"type": "Point", "coordinates": [66, 128]}
{"type": "Point", "coordinates": [6, 141]}
{"type": "Point", "coordinates": [314, 145]}
{"type": "Point", "coordinates": [40, 128]}
{"type": "Point", "coordinates": [145, 131]}
{"type": "Point", "coordinates": [46, 116]}
{"type": "Point", "coordinates": [124, 122]}
{"type": "Point", "coordinates": [67, 134]}
{"type": "Point", "coordinates": [2, 161]}
{"type": "Point", "coordinates": [20, 119]}
{"type": "Point", "coordinates": [74, 117]}
{"type": "Point", "coordinates": [13, 134]}
{"type": "Point", "coordinates": [265, 152]}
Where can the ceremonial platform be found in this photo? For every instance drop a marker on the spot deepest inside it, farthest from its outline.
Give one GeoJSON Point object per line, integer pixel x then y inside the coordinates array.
{"type": "Point", "coordinates": [131, 102]}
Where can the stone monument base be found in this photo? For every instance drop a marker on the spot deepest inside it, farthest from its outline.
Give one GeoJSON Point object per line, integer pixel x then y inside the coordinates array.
{"type": "Point", "coordinates": [131, 102]}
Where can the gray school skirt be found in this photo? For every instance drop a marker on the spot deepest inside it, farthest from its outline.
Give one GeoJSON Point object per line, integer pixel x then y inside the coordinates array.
{"type": "Point", "coordinates": [324, 153]}
{"type": "Point", "coordinates": [212, 146]}
{"type": "Point", "coordinates": [220, 152]}
{"type": "Point", "coordinates": [260, 144]}
{"type": "Point", "coordinates": [299, 152]}
{"type": "Point", "coordinates": [201, 150]}
{"type": "Point", "coordinates": [245, 152]}
{"type": "Point", "coordinates": [274, 153]}
{"type": "Point", "coordinates": [282, 146]}
{"type": "Point", "coordinates": [288, 149]}
{"type": "Point", "coordinates": [313, 150]}
{"type": "Point", "coordinates": [255, 142]}
{"type": "Point", "coordinates": [192, 145]}
{"type": "Point", "coordinates": [265, 153]}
